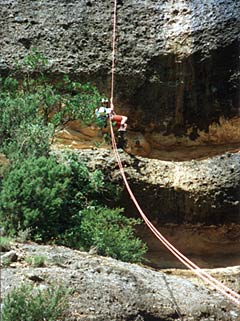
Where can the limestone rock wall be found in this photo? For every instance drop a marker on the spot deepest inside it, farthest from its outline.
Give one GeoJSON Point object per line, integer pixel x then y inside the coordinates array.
{"type": "Point", "coordinates": [176, 61]}
{"type": "Point", "coordinates": [204, 191]}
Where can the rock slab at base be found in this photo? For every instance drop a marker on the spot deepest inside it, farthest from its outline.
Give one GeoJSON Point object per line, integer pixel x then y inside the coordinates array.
{"type": "Point", "coordinates": [110, 290]}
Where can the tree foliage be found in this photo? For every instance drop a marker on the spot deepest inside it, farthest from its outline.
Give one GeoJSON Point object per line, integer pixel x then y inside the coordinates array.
{"type": "Point", "coordinates": [42, 195]}
{"type": "Point", "coordinates": [41, 107]}
{"type": "Point", "coordinates": [55, 201]}
{"type": "Point", "coordinates": [27, 303]}
{"type": "Point", "coordinates": [111, 233]}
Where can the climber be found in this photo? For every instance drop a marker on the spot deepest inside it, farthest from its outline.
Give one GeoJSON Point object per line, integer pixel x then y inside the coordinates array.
{"type": "Point", "coordinates": [120, 122]}
{"type": "Point", "coordinates": [104, 112]}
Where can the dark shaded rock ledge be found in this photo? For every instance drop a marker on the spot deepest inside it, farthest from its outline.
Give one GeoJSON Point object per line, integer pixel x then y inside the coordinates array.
{"type": "Point", "coordinates": [204, 191]}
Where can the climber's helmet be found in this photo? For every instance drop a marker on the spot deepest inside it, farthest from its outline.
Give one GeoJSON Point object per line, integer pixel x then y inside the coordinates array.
{"type": "Point", "coordinates": [104, 101]}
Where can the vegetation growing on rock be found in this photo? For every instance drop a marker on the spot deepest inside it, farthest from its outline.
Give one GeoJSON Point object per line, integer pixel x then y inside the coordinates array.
{"type": "Point", "coordinates": [42, 195]}
{"type": "Point", "coordinates": [32, 108]}
{"type": "Point", "coordinates": [27, 303]}
{"type": "Point", "coordinates": [111, 233]}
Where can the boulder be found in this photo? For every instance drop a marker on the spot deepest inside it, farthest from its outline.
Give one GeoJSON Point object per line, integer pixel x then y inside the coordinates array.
{"type": "Point", "coordinates": [110, 290]}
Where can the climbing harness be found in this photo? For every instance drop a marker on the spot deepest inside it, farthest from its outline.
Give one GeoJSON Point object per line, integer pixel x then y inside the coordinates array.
{"type": "Point", "coordinates": [206, 277]}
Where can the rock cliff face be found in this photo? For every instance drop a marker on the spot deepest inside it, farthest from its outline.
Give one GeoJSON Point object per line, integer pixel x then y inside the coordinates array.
{"type": "Point", "coordinates": [205, 191]}
{"type": "Point", "coordinates": [177, 73]}
{"type": "Point", "coordinates": [176, 61]}
{"type": "Point", "coordinates": [195, 204]}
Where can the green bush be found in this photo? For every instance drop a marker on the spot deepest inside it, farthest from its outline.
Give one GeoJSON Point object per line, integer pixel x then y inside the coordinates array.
{"type": "Point", "coordinates": [5, 243]}
{"type": "Point", "coordinates": [16, 109]}
{"type": "Point", "coordinates": [23, 236]}
{"type": "Point", "coordinates": [79, 100]}
{"type": "Point", "coordinates": [32, 196]}
{"type": "Point", "coordinates": [62, 203]}
{"type": "Point", "coordinates": [29, 304]}
{"type": "Point", "coordinates": [110, 232]}
{"type": "Point", "coordinates": [29, 140]}
{"type": "Point", "coordinates": [32, 107]}
{"type": "Point", "coordinates": [37, 260]}
{"type": "Point", "coordinates": [44, 196]}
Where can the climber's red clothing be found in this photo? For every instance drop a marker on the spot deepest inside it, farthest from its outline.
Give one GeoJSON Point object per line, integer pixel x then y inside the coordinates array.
{"type": "Point", "coordinates": [120, 122]}
{"type": "Point", "coordinates": [117, 119]}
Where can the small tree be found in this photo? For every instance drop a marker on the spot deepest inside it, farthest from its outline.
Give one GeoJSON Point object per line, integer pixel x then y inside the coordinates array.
{"type": "Point", "coordinates": [15, 109]}
{"type": "Point", "coordinates": [29, 140]}
{"type": "Point", "coordinates": [63, 101]}
{"type": "Point", "coordinates": [111, 233]}
{"type": "Point", "coordinates": [44, 196]}
{"type": "Point", "coordinates": [32, 196]}
{"type": "Point", "coordinates": [37, 105]}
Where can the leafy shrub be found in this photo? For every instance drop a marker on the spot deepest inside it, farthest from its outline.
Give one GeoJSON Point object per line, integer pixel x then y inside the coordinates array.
{"type": "Point", "coordinates": [33, 61]}
{"type": "Point", "coordinates": [32, 196]}
{"type": "Point", "coordinates": [44, 196]}
{"type": "Point", "coordinates": [33, 107]}
{"type": "Point", "coordinates": [36, 260]}
{"type": "Point", "coordinates": [79, 101]}
{"type": "Point", "coordinates": [16, 109]}
{"type": "Point", "coordinates": [5, 243]}
{"type": "Point", "coordinates": [110, 232]}
{"type": "Point", "coordinates": [5, 261]}
{"type": "Point", "coordinates": [28, 140]}
{"type": "Point", "coordinates": [23, 236]}
{"type": "Point", "coordinates": [28, 304]}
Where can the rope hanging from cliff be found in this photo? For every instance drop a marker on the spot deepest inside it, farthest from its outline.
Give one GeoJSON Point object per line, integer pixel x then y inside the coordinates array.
{"type": "Point", "coordinates": [113, 52]}
{"type": "Point", "coordinates": [227, 292]}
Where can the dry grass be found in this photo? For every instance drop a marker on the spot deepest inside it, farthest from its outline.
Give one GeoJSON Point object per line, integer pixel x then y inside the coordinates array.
{"type": "Point", "coordinates": [226, 131]}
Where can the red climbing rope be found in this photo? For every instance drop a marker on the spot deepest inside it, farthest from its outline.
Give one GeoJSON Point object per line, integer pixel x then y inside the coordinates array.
{"type": "Point", "coordinates": [113, 51]}
{"type": "Point", "coordinates": [227, 292]}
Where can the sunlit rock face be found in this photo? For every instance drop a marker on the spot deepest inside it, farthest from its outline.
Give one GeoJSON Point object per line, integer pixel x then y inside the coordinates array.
{"type": "Point", "coordinates": [111, 290]}
{"type": "Point", "coordinates": [176, 61]}
{"type": "Point", "coordinates": [190, 192]}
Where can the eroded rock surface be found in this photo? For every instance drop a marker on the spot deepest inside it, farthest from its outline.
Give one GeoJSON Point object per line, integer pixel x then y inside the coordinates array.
{"type": "Point", "coordinates": [107, 289]}
{"type": "Point", "coordinates": [204, 191]}
{"type": "Point", "coordinates": [177, 63]}
{"type": "Point", "coordinates": [220, 138]}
